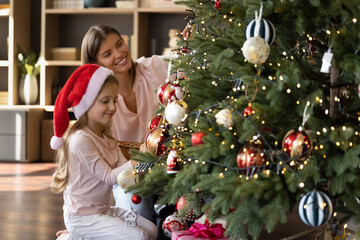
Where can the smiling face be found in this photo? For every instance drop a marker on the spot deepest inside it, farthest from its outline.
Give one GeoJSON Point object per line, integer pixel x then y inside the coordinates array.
{"type": "Point", "coordinates": [103, 109]}
{"type": "Point", "coordinates": [114, 54]}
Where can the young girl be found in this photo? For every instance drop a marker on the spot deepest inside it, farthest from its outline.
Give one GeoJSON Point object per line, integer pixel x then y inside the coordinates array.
{"type": "Point", "coordinates": [89, 159]}
{"type": "Point", "coordinates": [138, 101]}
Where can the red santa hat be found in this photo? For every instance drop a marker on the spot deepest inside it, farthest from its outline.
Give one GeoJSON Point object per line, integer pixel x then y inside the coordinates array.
{"type": "Point", "coordinates": [79, 92]}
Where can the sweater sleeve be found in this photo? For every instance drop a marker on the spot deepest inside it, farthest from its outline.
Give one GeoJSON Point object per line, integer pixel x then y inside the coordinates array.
{"type": "Point", "coordinates": [84, 149]}
{"type": "Point", "coordinates": [154, 69]}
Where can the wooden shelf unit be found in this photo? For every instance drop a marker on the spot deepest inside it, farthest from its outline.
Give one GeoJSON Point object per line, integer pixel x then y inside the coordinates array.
{"type": "Point", "coordinates": [62, 28]}
{"type": "Point", "coordinates": [131, 21]}
{"type": "Point", "coordinates": [17, 20]}
{"type": "Point", "coordinates": [19, 124]}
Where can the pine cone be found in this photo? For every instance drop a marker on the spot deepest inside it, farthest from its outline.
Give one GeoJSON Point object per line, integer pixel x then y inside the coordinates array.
{"type": "Point", "coordinates": [191, 216]}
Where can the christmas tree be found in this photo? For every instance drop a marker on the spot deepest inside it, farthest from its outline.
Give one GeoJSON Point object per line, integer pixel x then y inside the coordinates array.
{"type": "Point", "coordinates": [263, 115]}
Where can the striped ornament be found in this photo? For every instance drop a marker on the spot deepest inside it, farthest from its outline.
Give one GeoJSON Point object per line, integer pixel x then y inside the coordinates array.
{"type": "Point", "coordinates": [315, 208]}
{"type": "Point", "coordinates": [266, 30]}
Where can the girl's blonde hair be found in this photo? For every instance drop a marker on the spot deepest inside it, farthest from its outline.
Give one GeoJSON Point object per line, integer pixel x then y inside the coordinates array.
{"type": "Point", "coordinates": [60, 176]}
{"type": "Point", "coordinates": [92, 41]}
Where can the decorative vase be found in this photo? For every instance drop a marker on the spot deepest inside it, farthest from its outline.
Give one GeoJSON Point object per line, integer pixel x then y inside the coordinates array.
{"type": "Point", "coordinates": [28, 89]}
{"type": "Point", "coordinates": [94, 3]}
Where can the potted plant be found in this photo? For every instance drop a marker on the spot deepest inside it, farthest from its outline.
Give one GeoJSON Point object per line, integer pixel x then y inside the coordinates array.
{"type": "Point", "coordinates": [29, 64]}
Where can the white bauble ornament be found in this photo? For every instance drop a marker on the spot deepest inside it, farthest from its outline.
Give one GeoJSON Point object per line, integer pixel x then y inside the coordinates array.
{"type": "Point", "coordinates": [256, 50]}
{"type": "Point", "coordinates": [224, 118]}
{"type": "Point", "coordinates": [175, 112]}
{"type": "Point", "coordinates": [127, 178]}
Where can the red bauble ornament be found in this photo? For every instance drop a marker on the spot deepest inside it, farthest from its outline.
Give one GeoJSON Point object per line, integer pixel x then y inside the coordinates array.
{"type": "Point", "coordinates": [173, 223]}
{"type": "Point", "coordinates": [297, 144]}
{"type": "Point", "coordinates": [136, 199]}
{"type": "Point", "coordinates": [185, 50]}
{"type": "Point", "coordinates": [253, 155]}
{"type": "Point", "coordinates": [156, 122]}
{"type": "Point", "coordinates": [155, 140]}
{"type": "Point", "coordinates": [217, 4]}
{"type": "Point", "coordinates": [248, 111]}
{"type": "Point", "coordinates": [196, 138]}
{"type": "Point", "coordinates": [163, 93]}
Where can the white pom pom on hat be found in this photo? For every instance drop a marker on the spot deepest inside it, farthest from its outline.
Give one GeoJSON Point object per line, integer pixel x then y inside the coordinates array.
{"type": "Point", "coordinates": [79, 92]}
{"type": "Point", "coordinates": [56, 142]}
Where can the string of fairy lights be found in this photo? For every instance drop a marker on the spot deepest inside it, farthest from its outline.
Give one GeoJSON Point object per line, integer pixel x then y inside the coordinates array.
{"type": "Point", "coordinates": [283, 164]}
{"type": "Point", "coordinates": [239, 84]}
{"type": "Point", "coordinates": [251, 171]}
{"type": "Point", "coordinates": [285, 53]}
{"type": "Point", "coordinates": [279, 162]}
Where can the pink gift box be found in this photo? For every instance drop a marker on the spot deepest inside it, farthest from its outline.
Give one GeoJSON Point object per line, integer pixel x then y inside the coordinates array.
{"type": "Point", "coordinates": [187, 235]}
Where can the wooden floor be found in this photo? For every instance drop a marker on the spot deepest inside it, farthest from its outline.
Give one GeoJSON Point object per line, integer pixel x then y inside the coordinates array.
{"type": "Point", "coordinates": [28, 210]}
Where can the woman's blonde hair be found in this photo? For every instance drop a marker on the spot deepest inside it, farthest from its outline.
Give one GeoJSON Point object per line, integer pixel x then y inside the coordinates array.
{"type": "Point", "coordinates": [60, 176]}
{"type": "Point", "coordinates": [92, 41]}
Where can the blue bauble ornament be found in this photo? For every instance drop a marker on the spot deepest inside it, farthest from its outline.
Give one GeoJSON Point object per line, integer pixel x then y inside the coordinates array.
{"type": "Point", "coordinates": [315, 208]}
{"type": "Point", "coordinates": [266, 30]}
